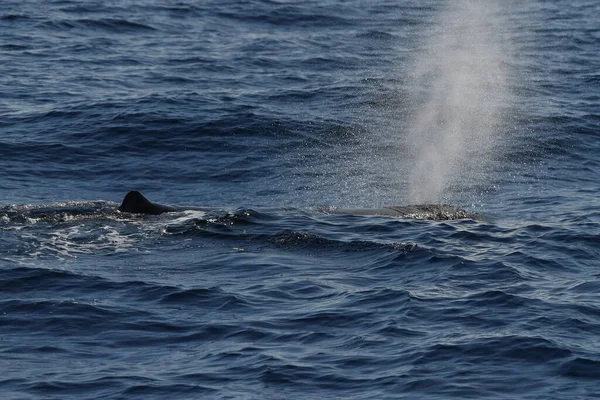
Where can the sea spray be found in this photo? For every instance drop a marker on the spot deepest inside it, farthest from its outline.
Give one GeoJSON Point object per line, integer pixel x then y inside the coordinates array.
{"type": "Point", "coordinates": [459, 91]}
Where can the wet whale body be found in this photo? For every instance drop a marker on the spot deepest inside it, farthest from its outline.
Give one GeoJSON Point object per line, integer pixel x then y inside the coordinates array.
{"type": "Point", "coordinates": [137, 203]}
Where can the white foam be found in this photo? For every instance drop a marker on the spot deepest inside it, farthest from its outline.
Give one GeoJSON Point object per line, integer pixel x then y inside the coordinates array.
{"type": "Point", "coordinates": [189, 215]}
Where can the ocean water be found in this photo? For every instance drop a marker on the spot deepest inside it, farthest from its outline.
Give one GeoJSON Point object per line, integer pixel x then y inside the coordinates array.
{"type": "Point", "coordinates": [264, 113]}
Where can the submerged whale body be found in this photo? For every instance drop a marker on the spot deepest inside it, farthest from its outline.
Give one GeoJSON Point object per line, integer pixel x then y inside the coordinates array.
{"type": "Point", "coordinates": [135, 202]}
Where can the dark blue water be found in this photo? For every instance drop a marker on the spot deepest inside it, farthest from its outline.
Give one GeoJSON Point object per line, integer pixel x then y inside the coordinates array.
{"type": "Point", "coordinates": [264, 112]}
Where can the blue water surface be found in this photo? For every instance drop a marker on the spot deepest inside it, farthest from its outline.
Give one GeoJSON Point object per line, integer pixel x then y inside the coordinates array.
{"type": "Point", "coordinates": [266, 112]}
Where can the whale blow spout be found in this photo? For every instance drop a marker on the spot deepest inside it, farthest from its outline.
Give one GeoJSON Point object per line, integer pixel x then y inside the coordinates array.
{"type": "Point", "coordinates": [135, 202]}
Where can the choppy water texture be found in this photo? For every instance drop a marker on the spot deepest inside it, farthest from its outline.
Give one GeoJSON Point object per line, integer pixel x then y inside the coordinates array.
{"type": "Point", "coordinates": [266, 113]}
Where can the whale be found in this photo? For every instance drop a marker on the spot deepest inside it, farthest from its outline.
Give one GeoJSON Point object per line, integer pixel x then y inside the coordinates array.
{"type": "Point", "coordinates": [136, 203]}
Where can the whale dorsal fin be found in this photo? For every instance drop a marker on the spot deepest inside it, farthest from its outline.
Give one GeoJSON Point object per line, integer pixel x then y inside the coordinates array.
{"type": "Point", "coordinates": [137, 203]}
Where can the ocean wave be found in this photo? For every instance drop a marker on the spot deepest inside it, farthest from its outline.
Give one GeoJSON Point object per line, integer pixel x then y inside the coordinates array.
{"type": "Point", "coordinates": [110, 25]}
{"type": "Point", "coordinates": [269, 113]}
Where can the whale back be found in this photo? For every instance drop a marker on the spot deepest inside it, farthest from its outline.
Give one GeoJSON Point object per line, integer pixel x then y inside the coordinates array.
{"type": "Point", "coordinates": [436, 212]}
{"type": "Point", "coordinates": [135, 202]}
